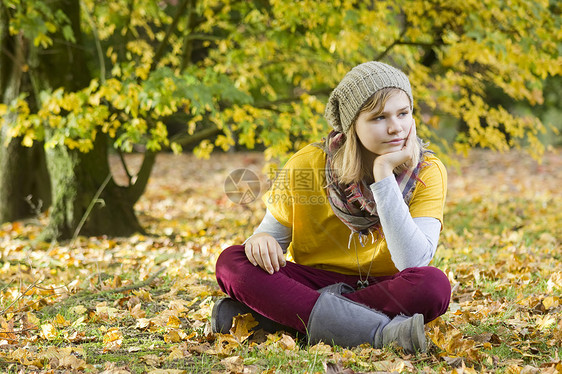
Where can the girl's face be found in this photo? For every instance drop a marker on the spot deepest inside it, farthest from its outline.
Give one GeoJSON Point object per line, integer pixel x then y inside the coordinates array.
{"type": "Point", "coordinates": [385, 132]}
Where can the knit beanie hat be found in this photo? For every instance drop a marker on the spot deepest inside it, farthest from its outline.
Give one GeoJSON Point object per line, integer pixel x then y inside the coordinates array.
{"type": "Point", "coordinates": [357, 87]}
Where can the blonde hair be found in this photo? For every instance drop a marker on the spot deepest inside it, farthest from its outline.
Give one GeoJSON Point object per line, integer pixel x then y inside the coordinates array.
{"type": "Point", "coordinates": [348, 163]}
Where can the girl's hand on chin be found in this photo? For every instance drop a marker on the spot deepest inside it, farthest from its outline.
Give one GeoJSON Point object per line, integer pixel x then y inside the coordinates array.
{"type": "Point", "coordinates": [385, 164]}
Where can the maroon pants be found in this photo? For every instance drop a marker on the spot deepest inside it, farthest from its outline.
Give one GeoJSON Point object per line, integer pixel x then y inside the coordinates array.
{"type": "Point", "coordinates": [288, 295]}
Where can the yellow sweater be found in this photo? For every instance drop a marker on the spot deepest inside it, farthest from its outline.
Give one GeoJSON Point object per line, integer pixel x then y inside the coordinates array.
{"type": "Point", "coordinates": [297, 199]}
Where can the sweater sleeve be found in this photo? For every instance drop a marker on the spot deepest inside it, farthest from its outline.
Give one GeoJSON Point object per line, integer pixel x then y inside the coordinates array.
{"type": "Point", "coordinates": [270, 225]}
{"type": "Point", "coordinates": [411, 241]}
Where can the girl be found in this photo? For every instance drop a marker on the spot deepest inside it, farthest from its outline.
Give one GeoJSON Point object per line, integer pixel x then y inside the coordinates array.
{"type": "Point", "coordinates": [359, 216]}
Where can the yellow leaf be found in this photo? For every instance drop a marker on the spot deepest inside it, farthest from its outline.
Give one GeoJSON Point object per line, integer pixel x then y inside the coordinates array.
{"type": "Point", "coordinates": [144, 295]}
{"type": "Point", "coordinates": [60, 321]}
{"type": "Point", "coordinates": [78, 309]}
{"type": "Point", "coordinates": [225, 344]}
{"type": "Point", "coordinates": [72, 362]}
{"type": "Point", "coordinates": [545, 322]}
{"type": "Point", "coordinates": [242, 326]}
{"type": "Point", "coordinates": [143, 323]}
{"type": "Point", "coordinates": [137, 312]}
{"type": "Point", "coordinates": [32, 320]}
{"type": "Point", "coordinates": [48, 331]}
{"type": "Point", "coordinates": [233, 364]}
{"type": "Point", "coordinates": [550, 302]}
{"type": "Point", "coordinates": [555, 282]}
{"type": "Point", "coordinates": [173, 322]}
{"type": "Point", "coordinates": [321, 348]}
{"type": "Point", "coordinates": [112, 340]}
{"type": "Point", "coordinates": [27, 140]}
{"type": "Point", "coordinates": [287, 343]}
{"type": "Point", "coordinates": [151, 360]}
{"type": "Point", "coordinates": [172, 337]}
{"type": "Point", "coordinates": [175, 354]}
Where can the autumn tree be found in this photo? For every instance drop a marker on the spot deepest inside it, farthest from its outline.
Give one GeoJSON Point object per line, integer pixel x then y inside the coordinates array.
{"type": "Point", "coordinates": [78, 116]}
{"type": "Point", "coordinates": [254, 72]}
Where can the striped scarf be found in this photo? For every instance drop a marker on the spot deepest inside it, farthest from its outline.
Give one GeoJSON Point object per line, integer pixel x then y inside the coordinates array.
{"type": "Point", "coordinates": [354, 204]}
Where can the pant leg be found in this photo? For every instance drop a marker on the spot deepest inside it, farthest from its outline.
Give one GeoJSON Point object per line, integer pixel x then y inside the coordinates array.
{"type": "Point", "coordinates": [287, 296]}
{"type": "Point", "coordinates": [425, 290]}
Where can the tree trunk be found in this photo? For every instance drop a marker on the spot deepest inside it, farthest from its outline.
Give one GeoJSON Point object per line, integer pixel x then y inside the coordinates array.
{"type": "Point", "coordinates": [24, 181]}
{"type": "Point", "coordinates": [85, 199]}
{"type": "Point", "coordinates": [77, 179]}
{"type": "Point", "coordinates": [25, 188]}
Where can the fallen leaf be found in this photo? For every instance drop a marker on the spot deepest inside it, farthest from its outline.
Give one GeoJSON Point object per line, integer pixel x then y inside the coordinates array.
{"type": "Point", "coordinates": [151, 360]}
{"type": "Point", "coordinates": [233, 364]}
{"type": "Point", "coordinates": [287, 343]}
{"type": "Point", "coordinates": [72, 362]}
{"type": "Point", "coordinates": [175, 354]}
{"type": "Point", "coordinates": [225, 344]}
{"type": "Point", "coordinates": [48, 331]}
{"type": "Point", "coordinates": [242, 326]}
{"type": "Point", "coordinates": [137, 312]}
{"type": "Point", "coordinates": [112, 340]}
{"type": "Point", "coordinates": [332, 368]}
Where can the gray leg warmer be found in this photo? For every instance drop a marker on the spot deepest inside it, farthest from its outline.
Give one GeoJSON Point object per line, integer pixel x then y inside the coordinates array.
{"type": "Point", "coordinates": [337, 320]}
{"type": "Point", "coordinates": [340, 321]}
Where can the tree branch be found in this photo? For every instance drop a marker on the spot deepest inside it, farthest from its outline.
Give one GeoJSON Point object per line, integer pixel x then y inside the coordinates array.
{"type": "Point", "coordinates": [134, 191]}
{"type": "Point", "coordinates": [74, 299]}
{"type": "Point", "coordinates": [421, 44]}
{"type": "Point", "coordinates": [184, 138]}
{"type": "Point", "coordinates": [270, 105]}
{"type": "Point", "coordinates": [96, 40]}
{"type": "Point", "coordinates": [187, 41]}
{"type": "Point", "coordinates": [144, 283]}
{"type": "Point", "coordinates": [182, 7]}
{"type": "Point", "coordinates": [392, 45]}
{"type": "Point", "coordinates": [122, 158]}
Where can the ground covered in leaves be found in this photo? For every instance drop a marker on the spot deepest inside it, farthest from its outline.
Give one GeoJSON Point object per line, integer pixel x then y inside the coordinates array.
{"type": "Point", "coordinates": [142, 304]}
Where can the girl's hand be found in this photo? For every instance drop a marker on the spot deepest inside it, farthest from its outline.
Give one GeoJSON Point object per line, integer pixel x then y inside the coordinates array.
{"type": "Point", "coordinates": [386, 163]}
{"type": "Point", "coordinates": [262, 249]}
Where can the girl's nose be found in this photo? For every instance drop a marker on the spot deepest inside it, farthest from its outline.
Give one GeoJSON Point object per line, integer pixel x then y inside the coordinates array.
{"type": "Point", "coordinates": [394, 126]}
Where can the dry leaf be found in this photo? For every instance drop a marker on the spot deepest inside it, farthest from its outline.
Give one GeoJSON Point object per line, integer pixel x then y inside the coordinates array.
{"type": "Point", "coordinates": [233, 364]}
{"type": "Point", "coordinates": [151, 360]}
{"type": "Point", "coordinates": [225, 344]}
{"type": "Point", "coordinates": [137, 312]}
{"type": "Point", "coordinates": [173, 336]}
{"type": "Point", "coordinates": [48, 331]}
{"type": "Point", "coordinates": [242, 326]}
{"type": "Point", "coordinates": [72, 362]}
{"type": "Point", "coordinates": [175, 354]}
{"type": "Point", "coordinates": [555, 282]}
{"type": "Point", "coordinates": [112, 368]}
{"type": "Point", "coordinates": [112, 340]}
{"type": "Point", "coordinates": [174, 322]}
{"type": "Point", "coordinates": [287, 343]}
{"type": "Point", "coordinates": [338, 368]}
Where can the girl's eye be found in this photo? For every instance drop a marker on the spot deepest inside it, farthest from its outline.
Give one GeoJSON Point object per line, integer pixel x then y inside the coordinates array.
{"type": "Point", "coordinates": [378, 118]}
{"type": "Point", "coordinates": [403, 114]}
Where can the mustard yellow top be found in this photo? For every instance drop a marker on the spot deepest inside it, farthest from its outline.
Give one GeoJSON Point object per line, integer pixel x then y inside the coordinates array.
{"type": "Point", "coordinates": [297, 199]}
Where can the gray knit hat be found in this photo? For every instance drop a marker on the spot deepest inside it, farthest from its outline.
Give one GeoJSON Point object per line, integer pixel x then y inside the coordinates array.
{"type": "Point", "coordinates": [357, 87]}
